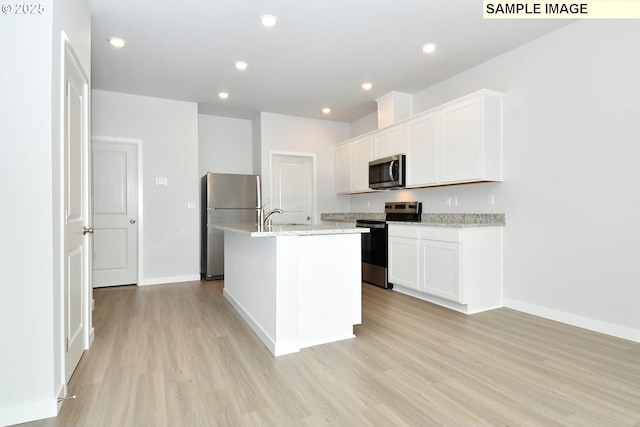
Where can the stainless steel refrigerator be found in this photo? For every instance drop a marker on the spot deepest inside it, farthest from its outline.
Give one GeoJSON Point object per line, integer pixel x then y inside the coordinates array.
{"type": "Point", "coordinates": [225, 199]}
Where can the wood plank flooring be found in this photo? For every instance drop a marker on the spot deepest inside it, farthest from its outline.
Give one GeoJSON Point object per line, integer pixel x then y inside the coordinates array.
{"type": "Point", "coordinates": [179, 355]}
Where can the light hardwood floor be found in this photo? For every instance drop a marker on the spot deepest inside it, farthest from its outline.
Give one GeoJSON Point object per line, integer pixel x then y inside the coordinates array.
{"type": "Point", "coordinates": [179, 355]}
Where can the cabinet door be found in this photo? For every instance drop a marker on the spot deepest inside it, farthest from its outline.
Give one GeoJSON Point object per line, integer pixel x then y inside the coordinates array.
{"type": "Point", "coordinates": [403, 261]}
{"type": "Point", "coordinates": [440, 269]}
{"type": "Point", "coordinates": [362, 154]}
{"type": "Point", "coordinates": [343, 168]}
{"type": "Point", "coordinates": [389, 141]}
{"type": "Point", "coordinates": [423, 153]}
{"type": "Point", "coordinates": [462, 141]}
{"type": "Point", "coordinates": [396, 139]}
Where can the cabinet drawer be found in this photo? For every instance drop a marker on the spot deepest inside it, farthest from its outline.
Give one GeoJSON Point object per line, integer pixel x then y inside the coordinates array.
{"type": "Point", "coordinates": [403, 231]}
{"type": "Point", "coordinates": [442, 234]}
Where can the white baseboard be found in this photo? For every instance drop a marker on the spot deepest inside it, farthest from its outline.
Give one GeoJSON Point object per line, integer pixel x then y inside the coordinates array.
{"type": "Point", "coordinates": [575, 320]}
{"type": "Point", "coordinates": [257, 329]}
{"type": "Point", "coordinates": [62, 392]}
{"type": "Point", "coordinates": [166, 280]}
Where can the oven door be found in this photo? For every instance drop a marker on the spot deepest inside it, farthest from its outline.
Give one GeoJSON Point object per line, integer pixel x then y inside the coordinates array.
{"type": "Point", "coordinates": [374, 252]}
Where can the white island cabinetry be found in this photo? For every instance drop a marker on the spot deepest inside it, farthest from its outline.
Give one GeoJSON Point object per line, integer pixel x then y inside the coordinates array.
{"type": "Point", "coordinates": [295, 286]}
{"type": "Point", "coordinates": [456, 267]}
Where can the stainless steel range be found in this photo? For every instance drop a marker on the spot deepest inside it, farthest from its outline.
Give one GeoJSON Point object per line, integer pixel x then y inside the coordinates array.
{"type": "Point", "coordinates": [374, 243]}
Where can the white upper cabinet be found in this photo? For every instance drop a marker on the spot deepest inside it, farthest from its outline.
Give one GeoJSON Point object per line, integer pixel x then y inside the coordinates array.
{"type": "Point", "coordinates": [362, 154]}
{"type": "Point", "coordinates": [423, 150]}
{"type": "Point", "coordinates": [458, 142]}
{"type": "Point", "coordinates": [344, 155]}
{"type": "Point", "coordinates": [462, 141]}
{"type": "Point", "coordinates": [389, 141]}
{"type": "Point", "coordinates": [352, 165]}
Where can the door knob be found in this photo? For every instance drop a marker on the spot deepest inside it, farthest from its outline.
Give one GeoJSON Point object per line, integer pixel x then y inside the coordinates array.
{"type": "Point", "coordinates": [132, 221]}
{"type": "Point", "coordinates": [86, 230]}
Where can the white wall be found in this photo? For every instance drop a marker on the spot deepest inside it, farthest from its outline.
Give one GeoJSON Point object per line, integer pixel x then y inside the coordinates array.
{"type": "Point", "coordinates": [169, 133]}
{"type": "Point", "coordinates": [224, 145]}
{"type": "Point", "coordinates": [31, 360]}
{"type": "Point", "coordinates": [571, 173]}
{"type": "Point", "coordinates": [364, 124]}
{"type": "Point", "coordinates": [290, 134]}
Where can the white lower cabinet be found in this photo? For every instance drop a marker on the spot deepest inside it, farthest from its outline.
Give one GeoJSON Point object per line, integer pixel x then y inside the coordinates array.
{"type": "Point", "coordinates": [456, 267]}
{"type": "Point", "coordinates": [439, 269]}
{"type": "Point", "coordinates": [403, 257]}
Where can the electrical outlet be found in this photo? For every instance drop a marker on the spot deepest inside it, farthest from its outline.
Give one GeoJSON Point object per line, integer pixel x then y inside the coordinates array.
{"type": "Point", "coordinates": [491, 200]}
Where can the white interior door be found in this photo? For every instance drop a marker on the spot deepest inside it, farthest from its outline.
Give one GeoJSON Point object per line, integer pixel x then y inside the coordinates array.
{"type": "Point", "coordinates": [77, 242]}
{"type": "Point", "coordinates": [292, 188]}
{"type": "Point", "coordinates": [115, 213]}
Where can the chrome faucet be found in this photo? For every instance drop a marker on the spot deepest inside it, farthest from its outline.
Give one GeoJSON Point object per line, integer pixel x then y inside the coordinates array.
{"type": "Point", "coordinates": [266, 222]}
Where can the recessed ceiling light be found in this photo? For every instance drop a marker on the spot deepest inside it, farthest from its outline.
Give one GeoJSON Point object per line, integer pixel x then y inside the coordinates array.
{"type": "Point", "coordinates": [223, 95]}
{"type": "Point", "coordinates": [367, 86]}
{"type": "Point", "coordinates": [429, 47]}
{"type": "Point", "coordinates": [241, 65]}
{"type": "Point", "coordinates": [268, 20]}
{"type": "Point", "coordinates": [326, 110]}
{"type": "Point", "coordinates": [117, 42]}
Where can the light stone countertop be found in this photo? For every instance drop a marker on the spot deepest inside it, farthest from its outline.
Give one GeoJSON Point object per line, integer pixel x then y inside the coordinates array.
{"type": "Point", "coordinates": [289, 230]}
{"type": "Point", "coordinates": [428, 219]}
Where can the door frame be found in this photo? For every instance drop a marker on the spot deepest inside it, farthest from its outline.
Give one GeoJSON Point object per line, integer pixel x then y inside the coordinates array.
{"type": "Point", "coordinates": [272, 153]}
{"type": "Point", "coordinates": [137, 143]}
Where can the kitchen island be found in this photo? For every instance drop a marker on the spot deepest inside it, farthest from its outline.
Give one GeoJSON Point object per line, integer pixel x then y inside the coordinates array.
{"type": "Point", "coordinates": [296, 286]}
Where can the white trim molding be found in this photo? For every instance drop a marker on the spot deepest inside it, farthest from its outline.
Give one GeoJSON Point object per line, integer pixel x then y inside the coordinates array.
{"type": "Point", "coordinates": [575, 320]}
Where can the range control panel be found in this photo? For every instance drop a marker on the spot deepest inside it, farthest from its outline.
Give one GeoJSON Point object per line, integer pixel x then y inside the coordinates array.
{"type": "Point", "coordinates": [414, 208]}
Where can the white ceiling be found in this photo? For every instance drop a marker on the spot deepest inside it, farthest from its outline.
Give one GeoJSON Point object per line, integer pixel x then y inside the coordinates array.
{"type": "Point", "coordinates": [318, 55]}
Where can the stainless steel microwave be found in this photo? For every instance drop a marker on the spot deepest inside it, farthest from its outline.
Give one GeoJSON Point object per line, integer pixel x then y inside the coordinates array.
{"type": "Point", "coordinates": [387, 173]}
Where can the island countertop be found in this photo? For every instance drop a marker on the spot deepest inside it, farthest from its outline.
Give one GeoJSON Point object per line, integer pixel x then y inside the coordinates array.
{"type": "Point", "coordinates": [289, 230]}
